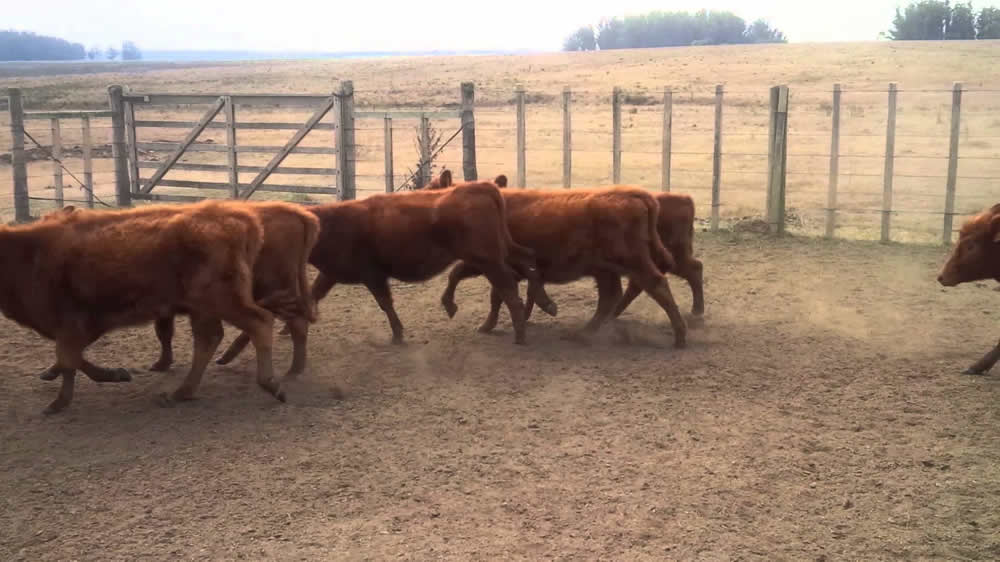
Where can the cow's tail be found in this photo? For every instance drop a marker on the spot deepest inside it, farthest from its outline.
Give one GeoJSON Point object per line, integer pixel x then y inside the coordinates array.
{"type": "Point", "coordinates": [660, 253]}
{"type": "Point", "coordinates": [307, 304]}
{"type": "Point", "coordinates": [522, 257]}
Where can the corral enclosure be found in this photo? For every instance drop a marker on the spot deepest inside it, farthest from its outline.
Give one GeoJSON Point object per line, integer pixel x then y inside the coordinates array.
{"type": "Point", "coordinates": [924, 75]}
{"type": "Point", "coordinates": [819, 414]}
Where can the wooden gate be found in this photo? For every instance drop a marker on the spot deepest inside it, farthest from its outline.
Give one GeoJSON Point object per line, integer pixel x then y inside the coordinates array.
{"type": "Point", "coordinates": [142, 184]}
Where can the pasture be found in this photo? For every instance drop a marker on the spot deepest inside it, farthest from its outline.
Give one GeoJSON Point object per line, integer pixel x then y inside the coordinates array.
{"type": "Point", "coordinates": [819, 414]}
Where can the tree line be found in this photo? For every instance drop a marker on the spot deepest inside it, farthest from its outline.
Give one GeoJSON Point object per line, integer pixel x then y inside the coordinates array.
{"type": "Point", "coordinates": [28, 46]}
{"type": "Point", "coordinates": [932, 20]}
{"type": "Point", "coordinates": [671, 29]}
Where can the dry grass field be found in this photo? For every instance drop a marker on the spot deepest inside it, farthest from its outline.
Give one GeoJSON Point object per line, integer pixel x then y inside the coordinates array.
{"type": "Point", "coordinates": [924, 72]}
{"type": "Point", "coordinates": [818, 414]}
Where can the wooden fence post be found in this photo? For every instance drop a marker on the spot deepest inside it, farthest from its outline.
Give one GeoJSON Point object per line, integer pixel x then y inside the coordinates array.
{"type": "Point", "coordinates": [522, 179]}
{"type": "Point", "coordinates": [424, 171]}
{"type": "Point", "coordinates": [88, 162]}
{"type": "Point", "coordinates": [717, 159]}
{"type": "Point", "coordinates": [567, 138]}
{"type": "Point", "coordinates": [57, 171]}
{"type": "Point", "coordinates": [949, 196]}
{"type": "Point", "coordinates": [469, 169]}
{"type": "Point", "coordinates": [123, 188]}
{"type": "Point", "coordinates": [130, 143]}
{"type": "Point", "coordinates": [890, 154]}
{"type": "Point", "coordinates": [777, 159]}
{"type": "Point", "coordinates": [831, 195]}
{"type": "Point", "coordinates": [616, 135]}
{"type": "Point", "coordinates": [345, 144]}
{"type": "Point", "coordinates": [387, 141]}
{"type": "Point", "coordinates": [668, 124]}
{"type": "Point", "coordinates": [232, 157]}
{"type": "Point", "coordinates": [22, 209]}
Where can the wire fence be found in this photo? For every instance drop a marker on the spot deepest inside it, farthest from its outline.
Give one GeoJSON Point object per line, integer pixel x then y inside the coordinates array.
{"type": "Point", "coordinates": [885, 164]}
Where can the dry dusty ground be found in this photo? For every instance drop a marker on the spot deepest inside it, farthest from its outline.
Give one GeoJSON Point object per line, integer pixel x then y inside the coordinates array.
{"type": "Point", "coordinates": [818, 415]}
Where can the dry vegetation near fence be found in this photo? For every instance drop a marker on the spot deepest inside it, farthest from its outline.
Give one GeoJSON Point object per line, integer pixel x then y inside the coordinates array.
{"type": "Point", "coordinates": [924, 72]}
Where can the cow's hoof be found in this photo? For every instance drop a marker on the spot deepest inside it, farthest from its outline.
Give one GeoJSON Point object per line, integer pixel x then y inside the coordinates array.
{"type": "Point", "coordinates": [484, 329]}
{"type": "Point", "coordinates": [163, 400]}
{"type": "Point", "coordinates": [520, 340]}
{"type": "Point", "coordinates": [49, 374]}
{"type": "Point", "coordinates": [285, 331]}
{"type": "Point", "coordinates": [274, 389]}
{"type": "Point", "coordinates": [680, 342]}
{"type": "Point", "coordinates": [695, 321]}
{"type": "Point", "coordinates": [398, 340]}
{"type": "Point", "coordinates": [161, 365]}
{"type": "Point", "coordinates": [119, 375]}
{"type": "Point", "coordinates": [450, 307]}
{"type": "Point", "coordinates": [974, 373]}
{"type": "Point", "coordinates": [550, 308]}
{"type": "Point", "coordinates": [54, 408]}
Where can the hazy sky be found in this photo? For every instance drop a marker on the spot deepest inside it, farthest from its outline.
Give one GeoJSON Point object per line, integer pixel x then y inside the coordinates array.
{"type": "Point", "coordinates": [352, 25]}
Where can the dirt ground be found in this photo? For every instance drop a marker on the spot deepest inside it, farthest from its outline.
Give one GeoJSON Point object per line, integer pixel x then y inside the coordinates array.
{"type": "Point", "coordinates": [819, 414]}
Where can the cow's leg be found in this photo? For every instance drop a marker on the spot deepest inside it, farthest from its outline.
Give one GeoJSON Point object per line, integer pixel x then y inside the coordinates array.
{"type": "Point", "coordinates": [656, 286]}
{"type": "Point", "coordinates": [984, 364]}
{"type": "Point", "coordinates": [631, 292]}
{"type": "Point", "coordinates": [207, 333]}
{"type": "Point", "coordinates": [299, 327]}
{"type": "Point", "coordinates": [320, 288]}
{"type": "Point", "coordinates": [69, 358]}
{"type": "Point", "coordinates": [164, 327]}
{"type": "Point", "coordinates": [503, 282]}
{"type": "Point", "coordinates": [693, 274]}
{"type": "Point", "coordinates": [494, 315]}
{"type": "Point", "coordinates": [538, 295]}
{"type": "Point", "coordinates": [458, 273]}
{"type": "Point", "coordinates": [609, 293]}
{"type": "Point", "coordinates": [235, 305]}
{"type": "Point", "coordinates": [103, 374]}
{"type": "Point", "coordinates": [379, 289]}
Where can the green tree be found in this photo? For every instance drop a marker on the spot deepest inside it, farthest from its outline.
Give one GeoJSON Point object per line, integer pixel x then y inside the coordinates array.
{"type": "Point", "coordinates": [130, 51]}
{"type": "Point", "coordinates": [111, 53]}
{"type": "Point", "coordinates": [988, 24]}
{"type": "Point", "coordinates": [926, 20]}
{"type": "Point", "coordinates": [962, 24]}
{"type": "Point", "coordinates": [27, 46]}
{"type": "Point", "coordinates": [761, 32]}
{"type": "Point", "coordinates": [94, 53]}
{"type": "Point", "coordinates": [582, 39]}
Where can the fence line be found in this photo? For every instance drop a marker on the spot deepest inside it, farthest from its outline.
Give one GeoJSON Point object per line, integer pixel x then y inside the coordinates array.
{"type": "Point", "coordinates": [630, 138]}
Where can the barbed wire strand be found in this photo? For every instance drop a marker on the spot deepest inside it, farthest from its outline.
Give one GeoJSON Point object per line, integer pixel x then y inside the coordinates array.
{"type": "Point", "coordinates": [65, 169]}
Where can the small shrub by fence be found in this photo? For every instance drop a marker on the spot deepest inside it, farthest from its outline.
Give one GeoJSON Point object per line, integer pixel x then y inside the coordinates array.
{"type": "Point", "coordinates": [846, 162]}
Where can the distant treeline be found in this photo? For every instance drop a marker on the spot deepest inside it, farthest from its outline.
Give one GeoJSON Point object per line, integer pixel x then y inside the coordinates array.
{"type": "Point", "coordinates": [671, 29]}
{"type": "Point", "coordinates": [932, 20]}
{"type": "Point", "coordinates": [27, 46]}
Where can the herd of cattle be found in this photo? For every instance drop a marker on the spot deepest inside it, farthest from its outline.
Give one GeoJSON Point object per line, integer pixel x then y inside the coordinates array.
{"type": "Point", "coordinates": [77, 274]}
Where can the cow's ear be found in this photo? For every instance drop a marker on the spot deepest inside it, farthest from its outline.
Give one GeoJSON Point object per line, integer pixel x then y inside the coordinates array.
{"type": "Point", "coordinates": [68, 209]}
{"type": "Point", "coordinates": [446, 178]}
{"type": "Point", "coordinates": [995, 228]}
{"type": "Point", "coordinates": [501, 181]}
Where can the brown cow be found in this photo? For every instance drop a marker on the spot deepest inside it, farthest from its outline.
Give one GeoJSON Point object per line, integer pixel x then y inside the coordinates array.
{"type": "Point", "coordinates": [676, 227]}
{"type": "Point", "coordinates": [78, 275]}
{"type": "Point", "coordinates": [413, 236]}
{"type": "Point", "coordinates": [603, 233]}
{"type": "Point", "coordinates": [976, 257]}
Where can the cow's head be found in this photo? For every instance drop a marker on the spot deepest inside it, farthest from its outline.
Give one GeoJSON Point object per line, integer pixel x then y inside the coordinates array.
{"type": "Point", "coordinates": [442, 181]}
{"type": "Point", "coordinates": [976, 256]}
{"type": "Point", "coordinates": [59, 213]}
{"type": "Point", "coordinates": [501, 181]}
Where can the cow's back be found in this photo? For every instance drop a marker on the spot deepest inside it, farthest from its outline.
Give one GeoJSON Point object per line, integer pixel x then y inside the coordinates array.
{"type": "Point", "coordinates": [128, 266]}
